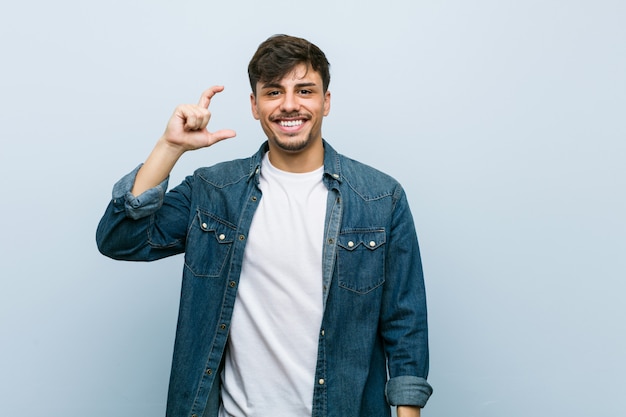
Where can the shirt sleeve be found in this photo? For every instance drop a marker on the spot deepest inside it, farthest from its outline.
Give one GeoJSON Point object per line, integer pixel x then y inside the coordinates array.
{"type": "Point", "coordinates": [403, 315]}
{"type": "Point", "coordinates": [408, 390]}
{"type": "Point", "coordinates": [137, 207]}
{"type": "Point", "coordinates": [146, 227]}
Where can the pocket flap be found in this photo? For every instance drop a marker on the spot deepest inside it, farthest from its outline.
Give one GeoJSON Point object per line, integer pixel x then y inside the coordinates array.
{"type": "Point", "coordinates": [223, 233]}
{"type": "Point", "coordinates": [371, 239]}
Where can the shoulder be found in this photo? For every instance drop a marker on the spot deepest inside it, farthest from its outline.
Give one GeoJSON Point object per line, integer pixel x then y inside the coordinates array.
{"type": "Point", "coordinates": [226, 173]}
{"type": "Point", "coordinates": [230, 172]}
{"type": "Point", "coordinates": [366, 180]}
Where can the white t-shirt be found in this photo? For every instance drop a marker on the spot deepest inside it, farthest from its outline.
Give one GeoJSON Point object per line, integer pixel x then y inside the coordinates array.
{"type": "Point", "coordinates": [272, 349]}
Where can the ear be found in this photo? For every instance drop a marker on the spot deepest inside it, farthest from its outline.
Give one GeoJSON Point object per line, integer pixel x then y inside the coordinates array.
{"type": "Point", "coordinates": [326, 103]}
{"type": "Point", "coordinates": [255, 112]}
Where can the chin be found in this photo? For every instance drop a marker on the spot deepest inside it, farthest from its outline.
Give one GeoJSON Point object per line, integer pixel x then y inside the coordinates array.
{"type": "Point", "coordinates": [293, 144]}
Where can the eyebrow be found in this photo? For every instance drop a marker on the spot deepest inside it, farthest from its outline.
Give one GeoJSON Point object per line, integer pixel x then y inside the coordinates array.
{"type": "Point", "coordinates": [277, 85]}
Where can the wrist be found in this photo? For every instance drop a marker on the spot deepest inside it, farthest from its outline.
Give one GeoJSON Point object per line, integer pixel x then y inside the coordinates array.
{"type": "Point", "coordinates": [408, 411]}
{"type": "Point", "coordinates": [169, 149]}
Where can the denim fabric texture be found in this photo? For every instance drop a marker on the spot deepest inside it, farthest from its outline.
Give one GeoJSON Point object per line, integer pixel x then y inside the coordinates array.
{"type": "Point", "coordinates": [373, 344]}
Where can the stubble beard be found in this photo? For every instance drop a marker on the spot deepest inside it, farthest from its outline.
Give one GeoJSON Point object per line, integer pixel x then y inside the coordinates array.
{"type": "Point", "coordinates": [293, 146]}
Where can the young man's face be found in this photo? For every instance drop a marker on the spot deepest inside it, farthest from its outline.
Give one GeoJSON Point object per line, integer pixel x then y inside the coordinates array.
{"type": "Point", "coordinates": [291, 109]}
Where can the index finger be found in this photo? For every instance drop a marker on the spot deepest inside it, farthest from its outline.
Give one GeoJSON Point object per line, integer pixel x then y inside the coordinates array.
{"type": "Point", "coordinates": [207, 95]}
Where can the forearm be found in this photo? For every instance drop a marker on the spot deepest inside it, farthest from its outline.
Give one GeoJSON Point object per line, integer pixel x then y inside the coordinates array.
{"type": "Point", "coordinates": [408, 411]}
{"type": "Point", "coordinates": [157, 167]}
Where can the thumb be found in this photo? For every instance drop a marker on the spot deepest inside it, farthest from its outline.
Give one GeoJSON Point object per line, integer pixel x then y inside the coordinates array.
{"type": "Point", "coordinates": [221, 135]}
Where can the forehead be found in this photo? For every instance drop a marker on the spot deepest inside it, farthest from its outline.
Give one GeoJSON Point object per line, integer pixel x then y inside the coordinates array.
{"type": "Point", "coordinates": [300, 74]}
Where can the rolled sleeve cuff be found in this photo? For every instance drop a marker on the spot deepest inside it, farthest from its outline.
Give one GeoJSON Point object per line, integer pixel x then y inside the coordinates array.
{"type": "Point", "coordinates": [140, 206]}
{"type": "Point", "coordinates": [408, 390]}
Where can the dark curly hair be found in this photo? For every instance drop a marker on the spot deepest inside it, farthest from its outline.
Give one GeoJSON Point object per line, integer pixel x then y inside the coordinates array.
{"type": "Point", "coordinates": [280, 54]}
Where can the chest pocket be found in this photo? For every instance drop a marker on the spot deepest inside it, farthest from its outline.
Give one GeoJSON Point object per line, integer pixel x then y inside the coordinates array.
{"type": "Point", "coordinates": [208, 245]}
{"type": "Point", "coordinates": [361, 260]}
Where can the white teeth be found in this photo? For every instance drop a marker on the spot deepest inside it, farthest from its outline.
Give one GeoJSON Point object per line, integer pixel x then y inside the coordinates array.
{"type": "Point", "coordinates": [290, 123]}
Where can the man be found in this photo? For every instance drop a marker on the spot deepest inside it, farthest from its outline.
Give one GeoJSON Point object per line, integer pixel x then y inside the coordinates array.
{"type": "Point", "coordinates": [302, 289]}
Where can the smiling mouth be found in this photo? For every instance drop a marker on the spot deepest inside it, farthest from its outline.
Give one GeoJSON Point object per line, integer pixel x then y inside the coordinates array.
{"type": "Point", "coordinates": [291, 123]}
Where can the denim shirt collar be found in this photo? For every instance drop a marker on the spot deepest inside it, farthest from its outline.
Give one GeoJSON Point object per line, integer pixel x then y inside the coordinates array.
{"type": "Point", "coordinates": [332, 166]}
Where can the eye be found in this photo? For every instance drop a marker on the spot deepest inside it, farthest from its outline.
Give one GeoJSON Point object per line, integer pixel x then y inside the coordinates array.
{"type": "Point", "coordinates": [305, 92]}
{"type": "Point", "coordinates": [273, 93]}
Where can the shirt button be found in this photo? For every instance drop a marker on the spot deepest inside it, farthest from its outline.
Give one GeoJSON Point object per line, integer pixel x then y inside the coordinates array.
{"type": "Point", "coordinates": [372, 243]}
{"type": "Point", "coordinates": [232, 284]}
{"type": "Point", "coordinates": [242, 237]}
{"type": "Point", "coordinates": [253, 198]}
{"type": "Point", "coordinates": [222, 236]}
{"type": "Point", "coordinates": [223, 326]}
{"type": "Point", "coordinates": [204, 226]}
{"type": "Point", "coordinates": [209, 371]}
{"type": "Point", "coordinates": [323, 332]}
{"type": "Point", "coordinates": [330, 241]}
{"type": "Point", "coordinates": [350, 244]}
{"type": "Point", "coordinates": [321, 381]}
{"type": "Point", "coordinates": [335, 176]}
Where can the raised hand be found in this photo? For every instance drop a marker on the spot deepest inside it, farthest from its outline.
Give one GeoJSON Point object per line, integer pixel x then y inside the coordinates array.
{"type": "Point", "coordinates": [187, 128]}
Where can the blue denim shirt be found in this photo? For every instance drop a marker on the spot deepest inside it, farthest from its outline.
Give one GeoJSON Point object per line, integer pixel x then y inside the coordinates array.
{"type": "Point", "coordinates": [373, 346]}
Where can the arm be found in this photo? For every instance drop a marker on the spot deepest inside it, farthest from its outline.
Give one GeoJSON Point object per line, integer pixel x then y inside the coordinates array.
{"type": "Point", "coordinates": [186, 130]}
{"type": "Point", "coordinates": [140, 223]}
{"type": "Point", "coordinates": [403, 315]}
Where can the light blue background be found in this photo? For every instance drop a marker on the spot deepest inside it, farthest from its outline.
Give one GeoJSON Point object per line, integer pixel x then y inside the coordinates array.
{"type": "Point", "coordinates": [504, 120]}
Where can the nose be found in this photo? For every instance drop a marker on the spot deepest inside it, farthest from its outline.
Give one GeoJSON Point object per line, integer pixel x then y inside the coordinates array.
{"type": "Point", "coordinates": [290, 103]}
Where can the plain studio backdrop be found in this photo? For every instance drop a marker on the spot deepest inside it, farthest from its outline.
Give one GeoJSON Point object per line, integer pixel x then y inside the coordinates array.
{"type": "Point", "coordinates": [504, 120]}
